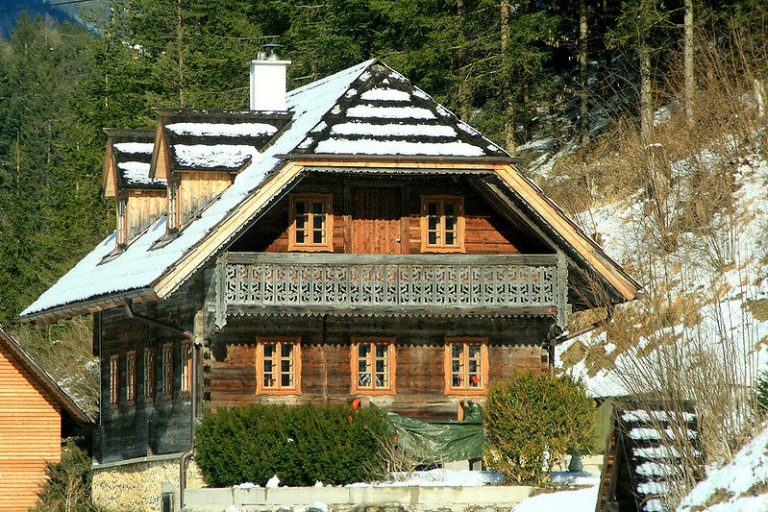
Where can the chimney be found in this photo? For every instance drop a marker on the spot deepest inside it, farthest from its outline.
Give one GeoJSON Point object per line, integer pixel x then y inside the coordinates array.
{"type": "Point", "coordinates": [268, 79]}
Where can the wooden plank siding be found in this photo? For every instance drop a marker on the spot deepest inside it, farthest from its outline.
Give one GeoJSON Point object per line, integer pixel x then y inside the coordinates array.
{"type": "Point", "coordinates": [230, 373]}
{"type": "Point", "coordinates": [487, 232]}
{"type": "Point", "coordinates": [30, 434]}
{"type": "Point", "coordinates": [197, 190]}
{"type": "Point", "coordinates": [142, 208]}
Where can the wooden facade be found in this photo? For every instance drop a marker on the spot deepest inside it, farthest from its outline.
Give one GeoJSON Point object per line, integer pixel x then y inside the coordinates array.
{"type": "Point", "coordinates": [34, 417]}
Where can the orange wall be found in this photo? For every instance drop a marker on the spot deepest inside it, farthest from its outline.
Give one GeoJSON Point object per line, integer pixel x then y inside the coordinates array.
{"type": "Point", "coordinates": [30, 434]}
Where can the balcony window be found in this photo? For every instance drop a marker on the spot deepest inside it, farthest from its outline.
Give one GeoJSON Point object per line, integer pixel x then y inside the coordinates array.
{"type": "Point", "coordinates": [442, 224]}
{"type": "Point", "coordinates": [278, 365]}
{"type": "Point", "coordinates": [373, 365]}
{"type": "Point", "coordinates": [311, 223]}
{"type": "Point", "coordinates": [466, 366]}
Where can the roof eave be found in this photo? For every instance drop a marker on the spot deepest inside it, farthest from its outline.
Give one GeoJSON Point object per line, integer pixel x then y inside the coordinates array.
{"type": "Point", "coordinates": [87, 306]}
{"type": "Point", "coordinates": [330, 157]}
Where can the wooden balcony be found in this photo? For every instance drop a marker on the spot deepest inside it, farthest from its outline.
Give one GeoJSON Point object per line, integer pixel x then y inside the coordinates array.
{"type": "Point", "coordinates": [388, 284]}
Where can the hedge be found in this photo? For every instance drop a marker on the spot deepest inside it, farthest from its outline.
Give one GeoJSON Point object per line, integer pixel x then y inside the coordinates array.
{"type": "Point", "coordinates": [300, 444]}
{"type": "Point", "coordinates": [533, 421]}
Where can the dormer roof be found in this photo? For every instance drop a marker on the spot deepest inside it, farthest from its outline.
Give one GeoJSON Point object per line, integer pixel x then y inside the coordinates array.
{"type": "Point", "coordinates": [127, 162]}
{"type": "Point", "coordinates": [367, 118]}
{"type": "Point", "coordinates": [208, 140]}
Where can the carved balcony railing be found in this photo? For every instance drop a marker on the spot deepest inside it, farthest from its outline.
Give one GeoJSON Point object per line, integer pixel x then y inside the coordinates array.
{"type": "Point", "coordinates": [348, 284]}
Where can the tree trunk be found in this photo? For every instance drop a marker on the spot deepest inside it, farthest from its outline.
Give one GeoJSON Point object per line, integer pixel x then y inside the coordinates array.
{"type": "Point", "coordinates": [179, 49]}
{"type": "Point", "coordinates": [583, 72]}
{"type": "Point", "coordinates": [463, 89]}
{"type": "Point", "coordinates": [758, 87]}
{"type": "Point", "coordinates": [509, 110]}
{"type": "Point", "coordinates": [690, 84]}
{"type": "Point", "coordinates": [646, 104]}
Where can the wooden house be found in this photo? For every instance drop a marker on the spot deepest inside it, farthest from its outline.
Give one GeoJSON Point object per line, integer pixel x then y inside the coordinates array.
{"type": "Point", "coordinates": [35, 416]}
{"type": "Point", "coordinates": [352, 238]}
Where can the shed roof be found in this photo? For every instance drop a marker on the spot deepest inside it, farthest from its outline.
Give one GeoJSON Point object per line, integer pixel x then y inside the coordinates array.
{"type": "Point", "coordinates": [44, 379]}
{"type": "Point", "coordinates": [365, 117]}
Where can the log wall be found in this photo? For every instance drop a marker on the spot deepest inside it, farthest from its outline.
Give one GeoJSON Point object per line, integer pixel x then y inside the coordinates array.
{"type": "Point", "coordinates": [230, 369]}
{"type": "Point", "coordinates": [487, 232]}
{"type": "Point", "coordinates": [30, 434]}
{"type": "Point", "coordinates": [162, 425]}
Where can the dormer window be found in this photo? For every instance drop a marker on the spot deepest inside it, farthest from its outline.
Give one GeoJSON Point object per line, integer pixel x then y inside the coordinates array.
{"type": "Point", "coordinates": [172, 220]}
{"type": "Point", "coordinates": [442, 224]}
{"type": "Point", "coordinates": [121, 232]}
{"type": "Point", "coordinates": [311, 222]}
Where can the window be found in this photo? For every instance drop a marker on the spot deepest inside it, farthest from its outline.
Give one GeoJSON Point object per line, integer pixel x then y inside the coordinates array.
{"type": "Point", "coordinates": [121, 231]}
{"type": "Point", "coordinates": [311, 227]}
{"type": "Point", "coordinates": [278, 365]}
{"type": "Point", "coordinates": [173, 193]}
{"type": "Point", "coordinates": [373, 365]}
{"type": "Point", "coordinates": [186, 368]}
{"type": "Point", "coordinates": [149, 375]}
{"type": "Point", "coordinates": [466, 365]}
{"type": "Point", "coordinates": [442, 223]}
{"type": "Point", "coordinates": [130, 378]}
{"type": "Point", "coordinates": [114, 380]}
{"type": "Point", "coordinates": [167, 370]}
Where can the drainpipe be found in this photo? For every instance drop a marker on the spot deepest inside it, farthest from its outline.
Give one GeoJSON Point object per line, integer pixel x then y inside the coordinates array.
{"type": "Point", "coordinates": [188, 454]}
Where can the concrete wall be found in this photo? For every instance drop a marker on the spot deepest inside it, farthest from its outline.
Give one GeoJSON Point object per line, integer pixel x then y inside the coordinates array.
{"type": "Point", "coordinates": [136, 485]}
{"type": "Point", "coordinates": [342, 499]}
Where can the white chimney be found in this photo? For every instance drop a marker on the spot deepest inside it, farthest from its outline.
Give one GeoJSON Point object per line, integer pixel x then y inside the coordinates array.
{"type": "Point", "coordinates": [268, 80]}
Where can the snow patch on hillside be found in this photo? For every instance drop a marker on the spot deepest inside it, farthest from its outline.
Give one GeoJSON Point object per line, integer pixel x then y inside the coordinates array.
{"type": "Point", "coordinates": [739, 486]}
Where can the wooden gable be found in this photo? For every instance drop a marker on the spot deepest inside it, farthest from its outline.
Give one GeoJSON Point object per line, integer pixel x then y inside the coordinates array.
{"type": "Point", "coordinates": [32, 408]}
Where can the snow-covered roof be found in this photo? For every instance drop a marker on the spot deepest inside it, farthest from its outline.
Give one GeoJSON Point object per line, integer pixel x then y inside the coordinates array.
{"type": "Point", "coordinates": [141, 264]}
{"type": "Point", "coordinates": [384, 114]}
{"type": "Point", "coordinates": [131, 156]}
{"type": "Point", "coordinates": [367, 110]}
{"type": "Point", "coordinates": [202, 140]}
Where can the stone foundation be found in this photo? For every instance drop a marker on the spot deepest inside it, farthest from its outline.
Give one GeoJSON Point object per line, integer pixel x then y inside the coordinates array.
{"type": "Point", "coordinates": [136, 485]}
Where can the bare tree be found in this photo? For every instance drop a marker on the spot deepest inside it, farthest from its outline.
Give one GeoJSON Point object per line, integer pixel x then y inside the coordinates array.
{"type": "Point", "coordinates": [584, 72]}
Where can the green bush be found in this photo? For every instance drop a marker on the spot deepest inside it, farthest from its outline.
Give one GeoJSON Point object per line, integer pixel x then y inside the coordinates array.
{"type": "Point", "coordinates": [761, 393]}
{"type": "Point", "coordinates": [68, 487]}
{"type": "Point", "coordinates": [532, 421]}
{"type": "Point", "coordinates": [300, 444]}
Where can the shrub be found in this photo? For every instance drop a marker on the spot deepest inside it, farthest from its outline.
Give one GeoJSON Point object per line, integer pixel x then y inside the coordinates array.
{"type": "Point", "coordinates": [761, 393]}
{"type": "Point", "coordinates": [68, 487]}
{"type": "Point", "coordinates": [300, 444]}
{"type": "Point", "coordinates": [532, 421]}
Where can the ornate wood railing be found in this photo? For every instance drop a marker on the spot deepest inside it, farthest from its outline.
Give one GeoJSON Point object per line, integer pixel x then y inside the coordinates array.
{"type": "Point", "coordinates": [308, 283]}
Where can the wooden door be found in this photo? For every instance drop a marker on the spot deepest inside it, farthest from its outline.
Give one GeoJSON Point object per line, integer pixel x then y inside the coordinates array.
{"type": "Point", "coordinates": [375, 221]}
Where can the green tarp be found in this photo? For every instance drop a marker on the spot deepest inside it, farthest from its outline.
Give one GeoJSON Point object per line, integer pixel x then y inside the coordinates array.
{"type": "Point", "coordinates": [435, 442]}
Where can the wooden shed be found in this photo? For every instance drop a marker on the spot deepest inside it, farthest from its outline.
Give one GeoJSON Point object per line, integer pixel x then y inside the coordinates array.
{"type": "Point", "coordinates": [35, 415]}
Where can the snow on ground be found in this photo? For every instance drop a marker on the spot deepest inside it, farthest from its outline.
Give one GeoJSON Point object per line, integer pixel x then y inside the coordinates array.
{"type": "Point", "coordinates": [575, 478]}
{"type": "Point", "coordinates": [740, 486]}
{"type": "Point", "coordinates": [582, 500]}
{"type": "Point", "coordinates": [437, 478]}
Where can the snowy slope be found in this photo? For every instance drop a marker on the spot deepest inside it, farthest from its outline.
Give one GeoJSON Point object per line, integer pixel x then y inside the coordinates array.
{"type": "Point", "coordinates": [740, 486]}
{"type": "Point", "coordinates": [723, 292]}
